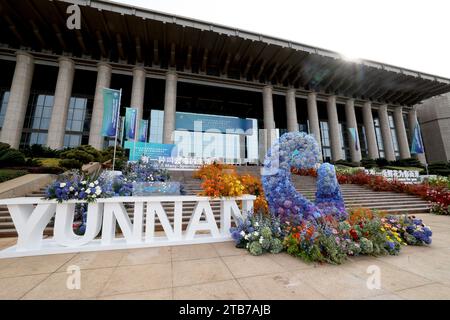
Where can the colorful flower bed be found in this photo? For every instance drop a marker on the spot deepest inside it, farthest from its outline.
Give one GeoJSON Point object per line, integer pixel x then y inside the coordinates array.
{"type": "Point", "coordinates": [330, 240]}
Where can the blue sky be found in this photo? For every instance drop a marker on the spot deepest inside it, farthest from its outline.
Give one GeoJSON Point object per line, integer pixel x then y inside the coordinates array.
{"type": "Point", "coordinates": [412, 34]}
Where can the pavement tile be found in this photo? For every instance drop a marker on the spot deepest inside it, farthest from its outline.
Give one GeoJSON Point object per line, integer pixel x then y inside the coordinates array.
{"type": "Point", "coordinates": [222, 290]}
{"type": "Point", "coordinates": [15, 288]}
{"type": "Point", "coordinates": [56, 286]}
{"type": "Point", "coordinates": [280, 286]}
{"type": "Point", "coordinates": [192, 252]}
{"type": "Point", "coordinates": [159, 294]}
{"type": "Point", "coordinates": [248, 265]}
{"type": "Point", "coordinates": [199, 271]}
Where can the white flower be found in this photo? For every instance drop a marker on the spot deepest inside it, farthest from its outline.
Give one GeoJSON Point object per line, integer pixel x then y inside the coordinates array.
{"type": "Point", "coordinates": [83, 182]}
{"type": "Point", "coordinates": [98, 188]}
{"type": "Point", "coordinates": [88, 191]}
{"type": "Point", "coordinates": [256, 224]}
{"type": "Point", "coordinates": [62, 185]}
{"type": "Point", "coordinates": [71, 189]}
{"type": "Point", "coordinates": [96, 182]}
{"type": "Point", "coordinates": [256, 233]}
{"type": "Point", "coordinates": [243, 233]}
{"type": "Point", "coordinates": [91, 185]}
{"type": "Point", "coordinates": [94, 196]}
{"type": "Point", "coordinates": [98, 192]}
{"type": "Point", "coordinates": [261, 240]}
{"type": "Point", "coordinates": [246, 237]}
{"type": "Point", "coordinates": [76, 193]}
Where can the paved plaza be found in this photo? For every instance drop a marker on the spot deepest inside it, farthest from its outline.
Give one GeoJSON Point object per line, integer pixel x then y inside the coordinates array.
{"type": "Point", "coordinates": [220, 271]}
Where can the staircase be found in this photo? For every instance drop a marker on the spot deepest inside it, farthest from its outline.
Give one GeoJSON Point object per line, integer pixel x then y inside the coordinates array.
{"type": "Point", "coordinates": [355, 196]}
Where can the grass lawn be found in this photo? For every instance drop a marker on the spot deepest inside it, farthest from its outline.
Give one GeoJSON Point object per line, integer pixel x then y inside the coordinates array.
{"type": "Point", "coordinates": [49, 162]}
{"type": "Point", "coordinates": [8, 174]}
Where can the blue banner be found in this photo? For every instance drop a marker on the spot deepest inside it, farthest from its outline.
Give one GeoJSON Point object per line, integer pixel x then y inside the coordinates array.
{"type": "Point", "coordinates": [111, 109]}
{"type": "Point", "coordinates": [143, 130]}
{"type": "Point", "coordinates": [212, 123]}
{"type": "Point", "coordinates": [130, 123]}
{"type": "Point", "coordinates": [417, 143]}
{"type": "Point", "coordinates": [151, 150]}
{"type": "Point", "coordinates": [354, 135]}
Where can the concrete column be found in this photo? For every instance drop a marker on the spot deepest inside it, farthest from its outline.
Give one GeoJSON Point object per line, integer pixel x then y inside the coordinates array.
{"type": "Point", "coordinates": [371, 138]}
{"type": "Point", "coordinates": [412, 121]}
{"type": "Point", "coordinates": [269, 120]}
{"type": "Point", "coordinates": [242, 147]}
{"type": "Point", "coordinates": [313, 118]}
{"type": "Point", "coordinates": [104, 71]}
{"type": "Point", "coordinates": [291, 111]}
{"type": "Point", "coordinates": [351, 123]}
{"type": "Point", "coordinates": [333, 126]}
{"type": "Point", "coordinates": [401, 133]}
{"type": "Point", "coordinates": [267, 135]}
{"type": "Point", "coordinates": [138, 92]}
{"type": "Point", "coordinates": [18, 100]}
{"type": "Point", "coordinates": [63, 92]}
{"type": "Point", "coordinates": [170, 105]}
{"type": "Point", "coordinates": [389, 153]}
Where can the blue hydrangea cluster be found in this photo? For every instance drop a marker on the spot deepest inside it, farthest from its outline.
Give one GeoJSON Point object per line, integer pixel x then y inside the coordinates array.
{"type": "Point", "coordinates": [74, 186]}
{"type": "Point", "coordinates": [117, 186]}
{"type": "Point", "coordinates": [328, 195]}
{"type": "Point", "coordinates": [419, 231]}
{"type": "Point", "coordinates": [301, 151]}
{"type": "Point", "coordinates": [145, 171]}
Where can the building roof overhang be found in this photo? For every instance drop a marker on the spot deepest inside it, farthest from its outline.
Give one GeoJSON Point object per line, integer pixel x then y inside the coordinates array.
{"type": "Point", "coordinates": [131, 35]}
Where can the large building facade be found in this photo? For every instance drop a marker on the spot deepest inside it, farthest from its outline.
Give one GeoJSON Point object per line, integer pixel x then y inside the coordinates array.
{"type": "Point", "coordinates": [52, 78]}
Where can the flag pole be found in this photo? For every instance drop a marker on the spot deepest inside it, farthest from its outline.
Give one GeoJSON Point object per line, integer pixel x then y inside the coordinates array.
{"type": "Point", "coordinates": [117, 130]}
{"type": "Point", "coordinates": [135, 133]}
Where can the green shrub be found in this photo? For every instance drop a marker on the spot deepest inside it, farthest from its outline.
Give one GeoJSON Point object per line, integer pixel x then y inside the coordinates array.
{"type": "Point", "coordinates": [346, 163]}
{"type": "Point", "coordinates": [83, 154]}
{"type": "Point", "coordinates": [78, 155]}
{"type": "Point", "coordinates": [71, 164]}
{"type": "Point", "coordinates": [382, 162]}
{"type": "Point", "coordinates": [40, 151]}
{"type": "Point", "coordinates": [410, 162]}
{"type": "Point", "coordinates": [11, 157]}
{"type": "Point", "coordinates": [121, 157]}
{"type": "Point", "coordinates": [440, 167]}
{"type": "Point", "coordinates": [4, 146]}
{"type": "Point", "coordinates": [49, 170]}
{"type": "Point", "coordinates": [31, 162]}
{"type": "Point", "coordinates": [96, 155]}
{"type": "Point", "coordinates": [368, 163]}
{"type": "Point", "coordinates": [7, 174]}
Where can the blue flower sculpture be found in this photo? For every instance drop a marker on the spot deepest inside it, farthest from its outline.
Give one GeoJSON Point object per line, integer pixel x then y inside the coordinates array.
{"type": "Point", "coordinates": [328, 195]}
{"type": "Point", "coordinates": [299, 150]}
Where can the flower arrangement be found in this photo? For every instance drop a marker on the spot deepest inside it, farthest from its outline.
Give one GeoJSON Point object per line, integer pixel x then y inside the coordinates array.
{"type": "Point", "coordinates": [116, 186]}
{"type": "Point", "coordinates": [209, 171]}
{"type": "Point", "coordinates": [224, 185]}
{"type": "Point", "coordinates": [258, 233]}
{"type": "Point", "coordinates": [75, 186]}
{"type": "Point", "coordinates": [413, 231]}
{"type": "Point", "coordinates": [223, 181]}
{"type": "Point", "coordinates": [145, 171]}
